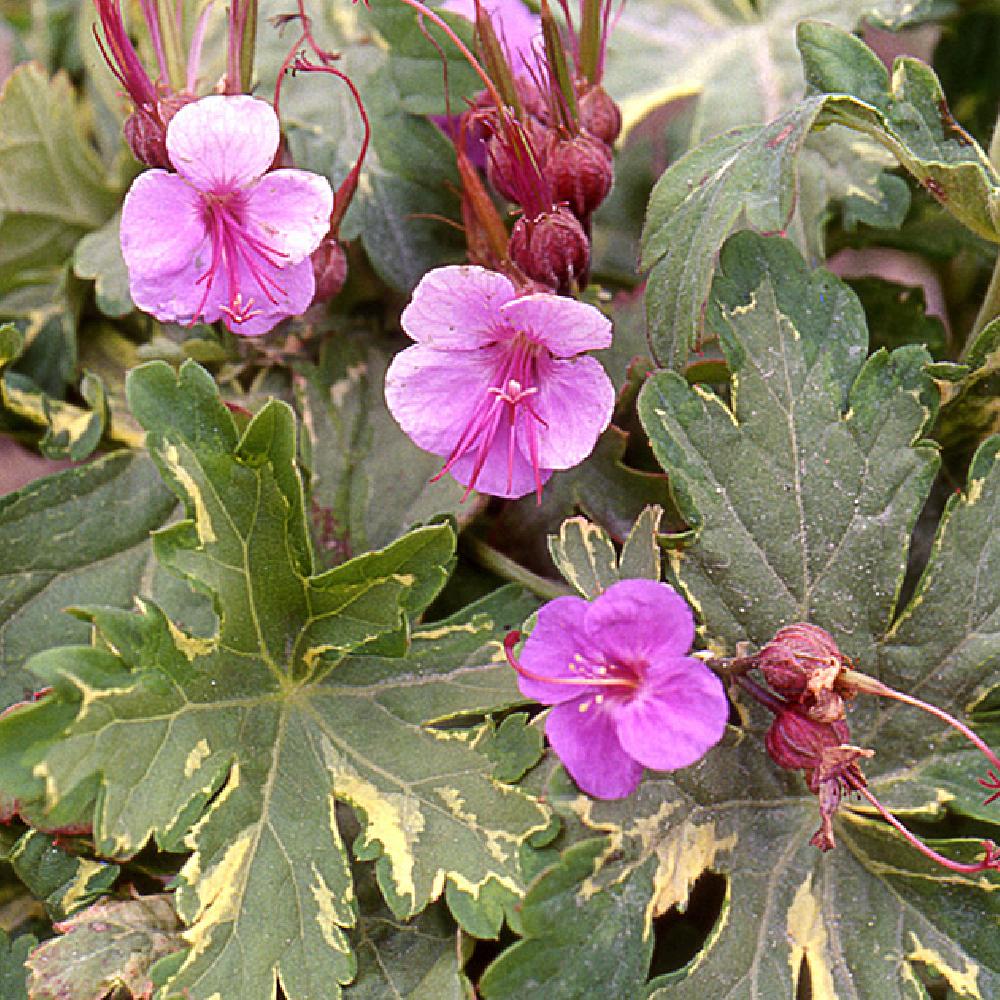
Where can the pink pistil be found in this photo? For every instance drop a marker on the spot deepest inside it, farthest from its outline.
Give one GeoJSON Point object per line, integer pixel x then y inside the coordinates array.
{"type": "Point", "coordinates": [603, 674]}
{"type": "Point", "coordinates": [233, 243]}
{"type": "Point", "coordinates": [515, 385]}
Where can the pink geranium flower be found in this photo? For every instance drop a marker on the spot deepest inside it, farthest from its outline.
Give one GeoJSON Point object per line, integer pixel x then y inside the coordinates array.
{"type": "Point", "coordinates": [625, 695]}
{"type": "Point", "coordinates": [495, 384]}
{"type": "Point", "coordinates": [224, 237]}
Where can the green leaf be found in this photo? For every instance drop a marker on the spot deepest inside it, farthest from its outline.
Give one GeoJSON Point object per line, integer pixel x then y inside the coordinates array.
{"type": "Point", "coordinates": [13, 974]}
{"type": "Point", "coordinates": [408, 961]}
{"type": "Point", "coordinates": [586, 556]}
{"type": "Point", "coordinates": [78, 537]}
{"type": "Point", "coordinates": [803, 496]}
{"type": "Point", "coordinates": [63, 882]}
{"type": "Point", "coordinates": [98, 257]}
{"type": "Point", "coordinates": [749, 173]}
{"type": "Point", "coordinates": [236, 745]}
{"type": "Point", "coordinates": [738, 59]}
{"type": "Point", "coordinates": [908, 115]}
{"type": "Point", "coordinates": [566, 956]}
{"type": "Point", "coordinates": [514, 746]}
{"type": "Point", "coordinates": [52, 185]}
{"type": "Point", "coordinates": [369, 483]}
{"type": "Point", "coordinates": [104, 949]}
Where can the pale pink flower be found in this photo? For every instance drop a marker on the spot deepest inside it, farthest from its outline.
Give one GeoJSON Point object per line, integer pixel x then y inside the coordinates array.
{"type": "Point", "coordinates": [224, 237]}
{"type": "Point", "coordinates": [495, 383]}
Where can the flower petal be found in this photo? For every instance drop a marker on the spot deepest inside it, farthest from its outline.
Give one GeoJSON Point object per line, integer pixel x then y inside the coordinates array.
{"type": "Point", "coordinates": [555, 640]}
{"type": "Point", "coordinates": [565, 326]}
{"type": "Point", "coordinates": [433, 394]}
{"type": "Point", "coordinates": [297, 283]}
{"type": "Point", "coordinates": [457, 307]}
{"type": "Point", "coordinates": [181, 298]}
{"type": "Point", "coordinates": [678, 715]}
{"type": "Point", "coordinates": [291, 209]}
{"type": "Point", "coordinates": [222, 143]}
{"type": "Point", "coordinates": [584, 738]}
{"type": "Point", "coordinates": [162, 225]}
{"type": "Point", "coordinates": [638, 621]}
{"type": "Point", "coordinates": [575, 399]}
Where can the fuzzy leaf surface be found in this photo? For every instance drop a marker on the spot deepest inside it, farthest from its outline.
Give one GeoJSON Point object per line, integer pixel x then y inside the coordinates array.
{"type": "Point", "coordinates": [801, 499]}
{"type": "Point", "coordinates": [236, 745]}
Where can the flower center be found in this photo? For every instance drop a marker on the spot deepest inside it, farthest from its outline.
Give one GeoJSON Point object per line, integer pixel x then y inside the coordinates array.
{"type": "Point", "coordinates": [621, 678]}
{"type": "Point", "coordinates": [506, 405]}
{"type": "Point", "coordinates": [236, 249]}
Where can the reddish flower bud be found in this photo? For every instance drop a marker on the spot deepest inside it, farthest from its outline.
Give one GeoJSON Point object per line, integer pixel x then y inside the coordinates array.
{"type": "Point", "coordinates": [600, 114]}
{"type": "Point", "coordinates": [512, 167]}
{"type": "Point", "coordinates": [822, 751]}
{"type": "Point", "coordinates": [580, 171]}
{"type": "Point", "coordinates": [329, 264]}
{"type": "Point", "coordinates": [145, 130]}
{"type": "Point", "coordinates": [552, 248]}
{"type": "Point", "coordinates": [803, 663]}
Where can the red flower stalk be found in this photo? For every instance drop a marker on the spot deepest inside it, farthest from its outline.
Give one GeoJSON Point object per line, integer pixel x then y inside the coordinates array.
{"type": "Point", "coordinates": [810, 732]}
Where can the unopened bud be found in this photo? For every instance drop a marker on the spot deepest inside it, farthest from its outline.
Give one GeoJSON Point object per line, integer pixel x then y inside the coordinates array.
{"type": "Point", "coordinates": [580, 171]}
{"type": "Point", "coordinates": [802, 663]}
{"type": "Point", "coordinates": [600, 114]}
{"type": "Point", "coordinates": [512, 169]}
{"type": "Point", "coordinates": [552, 248]}
{"type": "Point", "coordinates": [145, 130]}
{"type": "Point", "coordinates": [329, 264]}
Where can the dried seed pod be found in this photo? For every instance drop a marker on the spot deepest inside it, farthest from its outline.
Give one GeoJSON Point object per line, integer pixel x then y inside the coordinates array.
{"type": "Point", "coordinates": [580, 171]}
{"type": "Point", "coordinates": [552, 248]}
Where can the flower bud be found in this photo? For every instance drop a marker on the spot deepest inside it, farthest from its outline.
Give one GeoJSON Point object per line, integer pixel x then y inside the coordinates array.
{"type": "Point", "coordinates": [145, 130]}
{"type": "Point", "coordinates": [580, 171]}
{"type": "Point", "coordinates": [329, 263]}
{"type": "Point", "coordinates": [600, 114]}
{"type": "Point", "coordinates": [803, 663]}
{"type": "Point", "coordinates": [506, 169]}
{"type": "Point", "coordinates": [552, 248]}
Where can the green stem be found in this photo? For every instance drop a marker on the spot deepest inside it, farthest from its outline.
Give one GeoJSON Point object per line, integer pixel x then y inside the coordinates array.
{"type": "Point", "coordinates": [505, 567]}
{"type": "Point", "coordinates": [990, 308]}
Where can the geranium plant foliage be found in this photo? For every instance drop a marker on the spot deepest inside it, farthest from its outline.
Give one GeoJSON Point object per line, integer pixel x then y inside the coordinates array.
{"type": "Point", "coordinates": [514, 505]}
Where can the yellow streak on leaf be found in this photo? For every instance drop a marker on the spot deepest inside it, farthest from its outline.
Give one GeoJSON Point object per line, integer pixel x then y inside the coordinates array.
{"type": "Point", "coordinates": [190, 645]}
{"type": "Point", "coordinates": [219, 894]}
{"type": "Point", "coordinates": [311, 655]}
{"type": "Point", "coordinates": [393, 819]}
{"type": "Point", "coordinates": [473, 889]}
{"type": "Point", "coordinates": [682, 858]}
{"type": "Point", "coordinates": [78, 888]}
{"type": "Point", "coordinates": [430, 634]}
{"type": "Point", "coordinates": [807, 936]}
{"type": "Point", "coordinates": [202, 520]}
{"type": "Point", "coordinates": [964, 981]}
{"type": "Point", "coordinates": [326, 904]}
{"type": "Point", "coordinates": [196, 757]}
{"type": "Point", "coordinates": [452, 798]}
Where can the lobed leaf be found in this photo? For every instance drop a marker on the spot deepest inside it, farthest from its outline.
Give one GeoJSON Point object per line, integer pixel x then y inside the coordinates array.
{"type": "Point", "coordinates": [237, 744]}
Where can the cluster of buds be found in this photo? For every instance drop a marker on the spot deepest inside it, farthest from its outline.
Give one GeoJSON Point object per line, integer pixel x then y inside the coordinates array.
{"type": "Point", "coordinates": [157, 98]}
{"type": "Point", "coordinates": [810, 683]}
{"type": "Point", "coordinates": [176, 34]}
{"type": "Point", "coordinates": [547, 132]}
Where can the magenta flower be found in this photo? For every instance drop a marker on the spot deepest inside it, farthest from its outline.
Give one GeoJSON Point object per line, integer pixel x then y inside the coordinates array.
{"type": "Point", "coordinates": [625, 694]}
{"type": "Point", "coordinates": [224, 237]}
{"type": "Point", "coordinates": [494, 383]}
{"type": "Point", "coordinates": [515, 25]}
